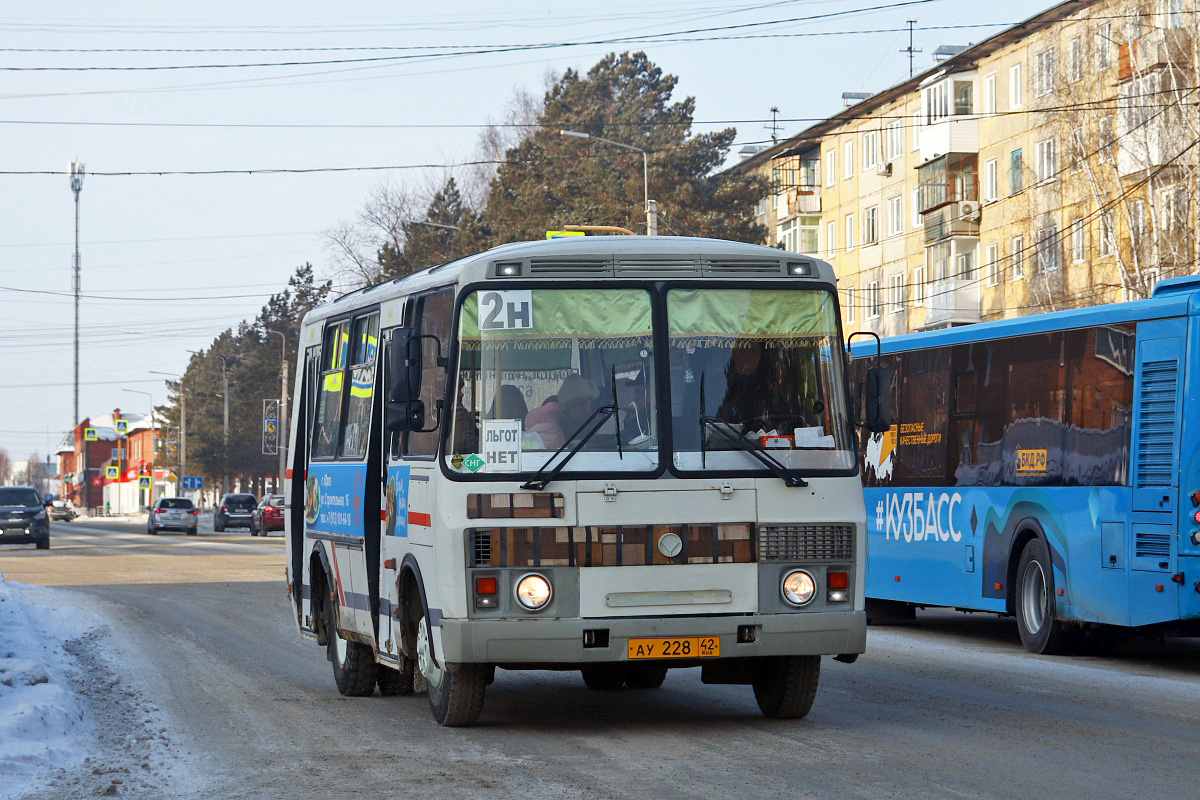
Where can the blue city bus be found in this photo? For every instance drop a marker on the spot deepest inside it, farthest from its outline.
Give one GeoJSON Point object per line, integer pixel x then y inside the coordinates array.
{"type": "Point", "coordinates": [1045, 467]}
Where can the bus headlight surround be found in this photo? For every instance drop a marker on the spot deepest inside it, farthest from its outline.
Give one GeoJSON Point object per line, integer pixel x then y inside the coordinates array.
{"type": "Point", "coordinates": [533, 592]}
{"type": "Point", "coordinates": [798, 588]}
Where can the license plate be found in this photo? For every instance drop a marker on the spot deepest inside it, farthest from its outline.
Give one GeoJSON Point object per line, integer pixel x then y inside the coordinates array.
{"type": "Point", "coordinates": [675, 647]}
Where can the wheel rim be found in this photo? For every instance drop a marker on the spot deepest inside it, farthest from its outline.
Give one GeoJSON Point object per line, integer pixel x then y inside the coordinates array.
{"type": "Point", "coordinates": [1033, 597]}
{"type": "Point", "coordinates": [339, 646]}
{"type": "Point", "coordinates": [429, 670]}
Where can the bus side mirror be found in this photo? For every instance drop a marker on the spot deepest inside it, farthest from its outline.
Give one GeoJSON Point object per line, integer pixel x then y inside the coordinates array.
{"type": "Point", "coordinates": [408, 415]}
{"type": "Point", "coordinates": [878, 400]}
{"type": "Point", "coordinates": [404, 365]}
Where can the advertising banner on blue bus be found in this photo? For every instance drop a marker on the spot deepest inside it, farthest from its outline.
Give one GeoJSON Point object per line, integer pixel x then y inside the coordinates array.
{"type": "Point", "coordinates": [333, 498]}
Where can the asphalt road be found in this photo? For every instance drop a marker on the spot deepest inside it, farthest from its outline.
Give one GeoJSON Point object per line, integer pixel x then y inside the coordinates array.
{"type": "Point", "coordinates": [221, 699]}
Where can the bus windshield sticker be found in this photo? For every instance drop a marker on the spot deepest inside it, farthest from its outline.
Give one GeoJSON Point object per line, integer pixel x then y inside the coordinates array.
{"type": "Point", "coordinates": [473, 463]}
{"type": "Point", "coordinates": [506, 311]}
{"type": "Point", "coordinates": [397, 501]}
{"type": "Point", "coordinates": [501, 440]}
{"type": "Point", "coordinates": [1031, 461]}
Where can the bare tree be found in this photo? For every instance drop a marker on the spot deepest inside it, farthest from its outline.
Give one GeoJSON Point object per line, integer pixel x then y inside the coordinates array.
{"type": "Point", "coordinates": [355, 245]}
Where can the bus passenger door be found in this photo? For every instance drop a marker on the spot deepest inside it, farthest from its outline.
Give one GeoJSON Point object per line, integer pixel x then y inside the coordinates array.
{"type": "Point", "coordinates": [1155, 457]}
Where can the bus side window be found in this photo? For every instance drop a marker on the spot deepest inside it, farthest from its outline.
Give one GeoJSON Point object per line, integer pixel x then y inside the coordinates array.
{"type": "Point", "coordinates": [328, 419]}
{"type": "Point", "coordinates": [364, 342]}
{"type": "Point", "coordinates": [433, 318]}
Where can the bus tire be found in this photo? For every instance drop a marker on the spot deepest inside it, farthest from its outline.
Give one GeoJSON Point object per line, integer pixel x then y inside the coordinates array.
{"type": "Point", "coordinates": [787, 685]}
{"type": "Point", "coordinates": [1041, 632]}
{"type": "Point", "coordinates": [645, 677]}
{"type": "Point", "coordinates": [354, 669]}
{"type": "Point", "coordinates": [455, 698]}
{"type": "Point", "coordinates": [604, 677]}
{"type": "Point", "coordinates": [396, 682]}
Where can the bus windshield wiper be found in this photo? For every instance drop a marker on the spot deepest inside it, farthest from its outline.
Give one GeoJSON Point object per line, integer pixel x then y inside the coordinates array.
{"type": "Point", "coordinates": [543, 476]}
{"type": "Point", "coordinates": [760, 453]}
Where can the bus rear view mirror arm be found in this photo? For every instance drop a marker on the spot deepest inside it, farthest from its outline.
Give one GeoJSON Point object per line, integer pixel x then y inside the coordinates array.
{"type": "Point", "coordinates": [877, 391]}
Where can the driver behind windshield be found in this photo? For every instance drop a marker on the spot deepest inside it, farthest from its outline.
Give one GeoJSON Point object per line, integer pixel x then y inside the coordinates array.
{"type": "Point", "coordinates": [754, 397]}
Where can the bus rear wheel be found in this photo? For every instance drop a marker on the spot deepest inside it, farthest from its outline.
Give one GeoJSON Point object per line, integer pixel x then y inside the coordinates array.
{"type": "Point", "coordinates": [354, 669]}
{"type": "Point", "coordinates": [645, 677]}
{"type": "Point", "coordinates": [455, 698]}
{"type": "Point", "coordinates": [1041, 632]}
{"type": "Point", "coordinates": [787, 686]}
{"type": "Point", "coordinates": [604, 677]}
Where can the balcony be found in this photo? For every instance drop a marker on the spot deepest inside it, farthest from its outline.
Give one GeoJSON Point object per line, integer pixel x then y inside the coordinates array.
{"type": "Point", "coordinates": [951, 301]}
{"type": "Point", "coordinates": [950, 179]}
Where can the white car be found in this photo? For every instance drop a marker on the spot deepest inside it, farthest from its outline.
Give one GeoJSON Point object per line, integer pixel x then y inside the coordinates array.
{"type": "Point", "coordinates": [173, 514]}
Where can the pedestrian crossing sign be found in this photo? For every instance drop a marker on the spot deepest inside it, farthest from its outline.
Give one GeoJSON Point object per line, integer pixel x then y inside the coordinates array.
{"type": "Point", "coordinates": [144, 482]}
{"type": "Point", "coordinates": [111, 473]}
{"type": "Point", "coordinates": [89, 434]}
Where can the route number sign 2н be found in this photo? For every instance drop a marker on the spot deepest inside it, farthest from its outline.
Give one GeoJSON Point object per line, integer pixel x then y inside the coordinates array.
{"type": "Point", "coordinates": [509, 310]}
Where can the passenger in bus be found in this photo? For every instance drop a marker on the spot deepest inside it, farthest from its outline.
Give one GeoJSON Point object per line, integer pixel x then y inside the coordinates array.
{"type": "Point", "coordinates": [560, 417]}
{"type": "Point", "coordinates": [509, 404]}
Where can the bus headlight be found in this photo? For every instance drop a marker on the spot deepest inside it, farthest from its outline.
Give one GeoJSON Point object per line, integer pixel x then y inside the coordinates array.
{"type": "Point", "coordinates": [798, 587]}
{"type": "Point", "coordinates": [533, 592]}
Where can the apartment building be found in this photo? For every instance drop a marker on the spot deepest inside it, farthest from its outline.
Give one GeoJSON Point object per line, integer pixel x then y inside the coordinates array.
{"type": "Point", "coordinates": [1049, 166]}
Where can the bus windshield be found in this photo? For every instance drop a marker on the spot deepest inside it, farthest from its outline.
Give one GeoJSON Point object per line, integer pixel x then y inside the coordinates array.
{"type": "Point", "coordinates": [760, 364]}
{"type": "Point", "coordinates": [535, 365]}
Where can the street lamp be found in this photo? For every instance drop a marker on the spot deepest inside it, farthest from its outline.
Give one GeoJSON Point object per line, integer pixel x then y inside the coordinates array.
{"type": "Point", "coordinates": [182, 425]}
{"type": "Point", "coordinates": [651, 206]}
{"type": "Point", "coordinates": [76, 172]}
{"type": "Point", "coordinates": [283, 381]}
{"type": "Point", "coordinates": [150, 397]}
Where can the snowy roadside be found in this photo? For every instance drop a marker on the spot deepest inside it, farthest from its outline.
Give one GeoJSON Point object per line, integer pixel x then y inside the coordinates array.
{"type": "Point", "coordinates": [73, 722]}
{"type": "Point", "coordinates": [42, 724]}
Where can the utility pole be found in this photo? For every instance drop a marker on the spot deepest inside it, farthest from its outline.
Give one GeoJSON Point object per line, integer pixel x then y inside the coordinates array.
{"type": "Point", "coordinates": [225, 428]}
{"type": "Point", "coordinates": [282, 421]}
{"type": "Point", "coordinates": [76, 172]}
{"type": "Point", "coordinates": [774, 126]}
{"type": "Point", "coordinates": [182, 429]}
{"type": "Point", "coordinates": [910, 50]}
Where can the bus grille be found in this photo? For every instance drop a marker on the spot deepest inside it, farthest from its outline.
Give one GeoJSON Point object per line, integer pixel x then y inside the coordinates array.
{"type": "Point", "coordinates": [611, 545]}
{"type": "Point", "coordinates": [1152, 545]}
{"type": "Point", "coordinates": [806, 542]}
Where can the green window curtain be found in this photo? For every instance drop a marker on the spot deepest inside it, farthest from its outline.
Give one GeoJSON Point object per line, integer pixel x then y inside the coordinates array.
{"type": "Point", "coordinates": [721, 317]}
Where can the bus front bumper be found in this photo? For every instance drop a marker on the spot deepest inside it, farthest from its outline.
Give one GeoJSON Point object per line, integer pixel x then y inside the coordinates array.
{"type": "Point", "coordinates": [561, 641]}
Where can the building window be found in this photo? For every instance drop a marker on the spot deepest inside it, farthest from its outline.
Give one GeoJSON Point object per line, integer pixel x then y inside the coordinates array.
{"type": "Point", "coordinates": [964, 98]}
{"type": "Point", "coordinates": [1103, 47]}
{"type": "Point", "coordinates": [760, 208]}
{"type": "Point", "coordinates": [1137, 101]}
{"type": "Point", "coordinates": [848, 158]}
{"type": "Point", "coordinates": [1018, 258]}
{"type": "Point", "coordinates": [787, 236]}
{"type": "Point", "coordinates": [916, 207]}
{"type": "Point", "coordinates": [1016, 172]}
{"type": "Point", "coordinates": [849, 232]}
{"type": "Point", "coordinates": [1015, 94]}
{"type": "Point", "coordinates": [830, 167]}
{"type": "Point", "coordinates": [896, 293]}
{"type": "Point", "coordinates": [989, 94]}
{"type": "Point", "coordinates": [1107, 243]}
{"type": "Point", "coordinates": [809, 174]}
{"type": "Point", "coordinates": [1043, 73]}
{"type": "Point", "coordinates": [918, 286]}
{"type": "Point", "coordinates": [809, 227]}
{"type": "Point", "coordinates": [937, 102]}
{"type": "Point", "coordinates": [1047, 250]}
{"type": "Point", "coordinates": [1075, 59]}
{"type": "Point", "coordinates": [991, 180]}
{"type": "Point", "coordinates": [871, 300]}
{"type": "Point", "coordinates": [937, 259]}
{"type": "Point", "coordinates": [1046, 160]}
{"type": "Point", "coordinates": [993, 265]}
{"type": "Point", "coordinates": [871, 225]}
{"type": "Point", "coordinates": [966, 264]}
{"type": "Point", "coordinates": [850, 300]}
{"type": "Point", "coordinates": [831, 240]}
{"type": "Point", "coordinates": [1174, 210]}
{"type": "Point", "coordinates": [895, 140]}
{"type": "Point", "coordinates": [870, 150]}
{"type": "Point", "coordinates": [1078, 241]}
{"type": "Point", "coordinates": [895, 215]}
{"type": "Point", "coordinates": [1106, 138]}
{"type": "Point", "coordinates": [1137, 223]}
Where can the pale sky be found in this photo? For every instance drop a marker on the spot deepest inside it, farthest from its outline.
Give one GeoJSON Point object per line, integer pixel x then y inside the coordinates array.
{"type": "Point", "coordinates": [202, 253]}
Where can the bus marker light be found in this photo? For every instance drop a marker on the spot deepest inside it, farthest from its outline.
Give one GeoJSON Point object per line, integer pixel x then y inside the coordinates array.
{"type": "Point", "coordinates": [485, 586]}
{"type": "Point", "coordinates": [389, 563]}
{"type": "Point", "coordinates": [837, 595]}
{"type": "Point", "coordinates": [1158, 587]}
{"type": "Point", "coordinates": [998, 586]}
{"type": "Point", "coordinates": [837, 580]}
{"type": "Point", "coordinates": [1177, 578]}
{"type": "Point", "coordinates": [1196, 517]}
{"type": "Point", "coordinates": [897, 579]}
{"type": "Point", "coordinates": [1061, 592]}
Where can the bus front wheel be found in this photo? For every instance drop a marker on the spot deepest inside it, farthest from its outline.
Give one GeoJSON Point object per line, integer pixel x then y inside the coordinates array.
{"type": "Point", "coordinates": [787, 686]}
{"type": "Point", "coordinates": [1041, 631]}
{"type": "Point", "coordinates": [455, 698]}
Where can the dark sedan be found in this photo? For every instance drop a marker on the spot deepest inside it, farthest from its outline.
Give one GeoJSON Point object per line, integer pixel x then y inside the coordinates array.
{"type": "Point", "coordinates": [23, 518]}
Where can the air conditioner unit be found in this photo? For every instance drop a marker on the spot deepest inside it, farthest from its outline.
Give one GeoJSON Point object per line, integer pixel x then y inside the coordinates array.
{"type": "Point", "coordinates": [969, 210]}
{"type": "Point", "coordinates": [885, 169]}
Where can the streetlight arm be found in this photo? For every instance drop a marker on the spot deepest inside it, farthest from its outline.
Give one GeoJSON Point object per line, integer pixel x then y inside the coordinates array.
{"type": "Point", "coordinates": [651, 227]}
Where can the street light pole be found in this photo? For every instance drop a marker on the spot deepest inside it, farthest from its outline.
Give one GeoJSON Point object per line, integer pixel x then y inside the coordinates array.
{"type": "Point", "coordinates": [281, 444]}
{"type": "Point", "coordinates": [76, 172]}
{"type": "Point", "coordinates": [150, 496]}
{"type": "Point", "coordinates": [651, 207]}
{"type": "Point", "coordinates": [182, 427]}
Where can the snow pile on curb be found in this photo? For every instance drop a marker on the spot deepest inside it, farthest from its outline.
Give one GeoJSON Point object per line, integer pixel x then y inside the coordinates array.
{"type": "Point", "coordinates": [41, 719]}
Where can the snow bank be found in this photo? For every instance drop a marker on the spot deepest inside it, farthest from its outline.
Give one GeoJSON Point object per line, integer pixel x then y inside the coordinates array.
{"type": "Point", "coordinates": [41, 719]}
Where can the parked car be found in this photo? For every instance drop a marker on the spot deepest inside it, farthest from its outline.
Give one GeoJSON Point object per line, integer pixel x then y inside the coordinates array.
{"type": "Point", "coordinates": [23, 517]}
{"type": "Point", "coordinates": [62, 510]}
{"type": "Point", "coordinates": [268, 516]}
{"type": "Point", "coordinates": [173, 514]}
{"type": "Point", "coordinates": [235, 511]}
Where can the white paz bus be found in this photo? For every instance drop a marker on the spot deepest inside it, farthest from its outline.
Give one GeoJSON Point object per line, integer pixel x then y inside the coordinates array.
{"type": "Point", "coordinates": [616, 455]}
